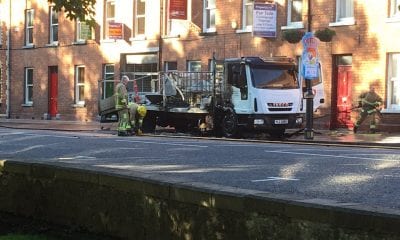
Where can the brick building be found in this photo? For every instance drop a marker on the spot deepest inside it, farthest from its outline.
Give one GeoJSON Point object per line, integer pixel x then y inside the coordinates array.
{"type": "Point", "coordinates": [50, 66]}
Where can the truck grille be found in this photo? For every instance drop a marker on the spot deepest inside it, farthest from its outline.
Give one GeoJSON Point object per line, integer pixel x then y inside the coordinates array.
{"type": "Point", "coordinates": [280, 107]}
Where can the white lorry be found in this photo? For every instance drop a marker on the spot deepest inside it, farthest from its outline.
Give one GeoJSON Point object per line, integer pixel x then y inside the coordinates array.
{"type": "Point", "coordinates": [250, 94]}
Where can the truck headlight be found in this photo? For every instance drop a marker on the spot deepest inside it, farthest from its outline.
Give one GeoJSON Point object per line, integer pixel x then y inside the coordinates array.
{"type": "Point", "coordinates": [299, 120]}
{"type": "Point", "coordinates": [258, 121]}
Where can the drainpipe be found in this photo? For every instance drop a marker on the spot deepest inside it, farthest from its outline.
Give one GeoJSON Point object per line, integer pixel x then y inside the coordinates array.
{"type": "Point", "coordinates": [160, 40]}
{"type": "Point", "coordinates": [309, 16]}
{"type": "Point", "coordinates": [8, 64]}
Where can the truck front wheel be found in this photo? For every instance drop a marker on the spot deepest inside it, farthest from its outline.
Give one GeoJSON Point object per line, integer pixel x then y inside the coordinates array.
{"type": "Point", "coordinates": [230, 125]}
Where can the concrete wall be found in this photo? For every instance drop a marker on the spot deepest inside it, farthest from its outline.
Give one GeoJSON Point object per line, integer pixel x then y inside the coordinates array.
{"type": "Point", "coordinates": [135, 207]}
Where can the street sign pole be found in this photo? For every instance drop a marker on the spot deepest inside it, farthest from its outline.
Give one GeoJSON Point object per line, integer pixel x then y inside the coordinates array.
{"type": "Point", "coordinates": [308, 131]}
{"type": "Point", "coordinates": [310, 64]}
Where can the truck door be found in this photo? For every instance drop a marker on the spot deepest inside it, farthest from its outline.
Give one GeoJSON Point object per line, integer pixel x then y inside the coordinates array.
{"type": "Point", "coordinates": [318, 89]}
{"type": "Point", "coordinates": [240, 88]}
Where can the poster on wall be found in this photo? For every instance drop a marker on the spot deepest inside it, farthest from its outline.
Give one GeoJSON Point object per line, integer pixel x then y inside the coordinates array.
{"type": "Point", "coordinates": [264, 20]}
{"type": "Point", "coordinates": [115, 30]}
{"type": "Point", "coordinates": [178, 9]}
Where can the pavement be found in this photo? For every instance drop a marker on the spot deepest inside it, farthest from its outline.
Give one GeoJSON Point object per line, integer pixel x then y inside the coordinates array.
{"type": "Point", "coordinates": [339, 136]}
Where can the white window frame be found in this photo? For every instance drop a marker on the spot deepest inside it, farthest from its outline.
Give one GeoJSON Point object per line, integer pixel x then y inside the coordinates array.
{"type": "Point", "coordinates": [246, 5]}
{"type": "Point", "coordinates": [79, 37]}
{"type": "Point", "coordinates": [108, 77]}
{"type": "Point", "coordinates": [393, 83]}
{"type": "Point", "coordinates": [53, 25]}
{"type": "Point", "coordinates": [138, 17]}
{"type": "Point", "coordinates": [344, 20]}
{"type": "Point", "coordinates": [394, 8]}
{"type": "Point", "coordinates": [28, 86]}
{"type": "Point", "coordinates": [191, 64]}
{"type": "Point", "coordinates": [79, 84]}
{"type": "Point", "coordinates": [108, 17]}
{"type": "Point", "coordinates": [209, 17]}
{"type": "Point", "coordinates": [298, 24]}
{"type": "Point", "coordinates": [167, 66]}
{"type": "Point", "coordinates": [29, 17]}
{"type": "Point", "coordinates": [1, 32]}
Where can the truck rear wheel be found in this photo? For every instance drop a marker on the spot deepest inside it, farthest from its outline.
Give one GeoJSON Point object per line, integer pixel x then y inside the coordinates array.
{"type": "Point", "coordinates": [230, 125]}
{"type": "Point", "coordinates": [149, 123]}
{"type": "Point", "coordinates": [181, 127]}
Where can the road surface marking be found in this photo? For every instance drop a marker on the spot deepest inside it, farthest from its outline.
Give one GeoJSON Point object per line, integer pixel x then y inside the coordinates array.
{"type": "Point", "coordinates": [329, 155]}
{"type": "Point", "coordinates": [76, 157]}
{"type": "Point", "coordinates": [275, 179]}
{"type": "Point", "coordinates": [45, 135]}
{"type": "Point", "coordinates": [160, 143]}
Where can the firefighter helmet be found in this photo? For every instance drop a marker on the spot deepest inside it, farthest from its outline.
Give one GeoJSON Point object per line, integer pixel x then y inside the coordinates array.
{"type": "Point", "coordinates": [141, 110]}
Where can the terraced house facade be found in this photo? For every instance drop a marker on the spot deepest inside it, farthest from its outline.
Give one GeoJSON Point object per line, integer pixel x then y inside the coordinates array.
{"type": "Point", "coordinates": [50, 66]}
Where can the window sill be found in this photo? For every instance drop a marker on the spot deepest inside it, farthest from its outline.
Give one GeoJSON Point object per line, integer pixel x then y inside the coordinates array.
{"type": "Point", "coordinates": [391, 111]}
{"type": "Point", "coordinates": [28, 46]}
{"type": "Point", "coordinates": [27, 105]}
{"type": "Point", "coordinates": [244, 31]}
{"type": "Point", "coordinates": [138, 38]}
{"type": "Point", "coordinates": [79, 105]}
{"type": "Point", "coordinates": [107, 41]}
{"type": "Point", "coordinates": [79, 42]}
{"type": "Point", "coordinates": [293, 26]}
{"type": "Point", "coordinates": [54, 44]}
{"type": "Point", "coordinates": [343, 23]}
{"type": "Point", "coordinates": [205, 34]}
{"type": "Point", "coordinates": [394, 19]}
{"type": "Point", "coordinates": [171, 36]}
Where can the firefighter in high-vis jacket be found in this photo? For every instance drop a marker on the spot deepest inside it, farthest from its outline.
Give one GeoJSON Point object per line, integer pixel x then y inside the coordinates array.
{"type": "Point", "coordinates": [130, 114]}
{"type": "Point", "coordinates": [369, 102]}
{"type": "Point", "coordinates": [137, 113]}
{"type": "Point", "coordinates": [121, 105]}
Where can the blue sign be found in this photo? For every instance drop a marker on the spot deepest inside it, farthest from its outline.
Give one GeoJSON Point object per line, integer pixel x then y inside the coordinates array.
{"type": "Point", "coordinates": [309, 57]}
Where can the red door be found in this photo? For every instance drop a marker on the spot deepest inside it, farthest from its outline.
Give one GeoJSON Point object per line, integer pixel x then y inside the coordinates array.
{"type": "Point", "coordinates": [344, 96]}
{"type": "Point", "coordinates": [53, 91]}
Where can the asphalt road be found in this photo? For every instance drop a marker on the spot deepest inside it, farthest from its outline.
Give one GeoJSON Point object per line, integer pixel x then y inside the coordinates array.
{"type": "Point", "coordinates": [369, 176]}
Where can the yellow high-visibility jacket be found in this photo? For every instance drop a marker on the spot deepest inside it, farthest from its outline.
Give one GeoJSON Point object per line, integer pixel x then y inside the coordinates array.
{"type": "Point", "coordinates": [121, 96]}
{"type": "Point", "coordinates": [370, 100]}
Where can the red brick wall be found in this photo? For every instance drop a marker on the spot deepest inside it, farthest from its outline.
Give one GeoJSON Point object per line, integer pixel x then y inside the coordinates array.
{"type": "Point", "coordinates": [368, 41]}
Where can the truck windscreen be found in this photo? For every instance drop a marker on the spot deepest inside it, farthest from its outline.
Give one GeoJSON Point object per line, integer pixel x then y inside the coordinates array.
{"type": "Point", "coordinates": [274, 78]}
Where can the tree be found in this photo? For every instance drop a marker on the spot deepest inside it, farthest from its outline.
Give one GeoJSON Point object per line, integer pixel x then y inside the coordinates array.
{"type": "Point", "coordinates": [77, 9]}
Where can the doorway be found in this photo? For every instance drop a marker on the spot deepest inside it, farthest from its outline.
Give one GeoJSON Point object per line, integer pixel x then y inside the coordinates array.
{"type": "Point", "coordinates": [342, 92]}
{"type": "Point", "coordinates": [53, 91]}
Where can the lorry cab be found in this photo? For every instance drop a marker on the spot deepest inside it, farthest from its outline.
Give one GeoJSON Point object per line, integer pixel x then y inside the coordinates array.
{"type": "Point", "coordinates": [265, 93]}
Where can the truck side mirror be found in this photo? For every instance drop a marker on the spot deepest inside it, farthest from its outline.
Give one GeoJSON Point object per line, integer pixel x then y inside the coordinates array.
{"type": "Point", "coordinates": [242, 77]}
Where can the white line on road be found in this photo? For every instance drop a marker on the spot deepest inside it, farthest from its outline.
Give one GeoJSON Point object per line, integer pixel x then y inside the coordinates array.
{"type": "Point", "coordinates": [45, 135]}
{"type": "Point", "coordinates": [161, 143]}
{"type": "Point", "coordinates": [334, 156]}
{"type": "Point", "coordinates": [76, 157]}
{"type": "Point", "coordinates": [275, 179]}
{"type": "Point", "coordinates": [40, 135]}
